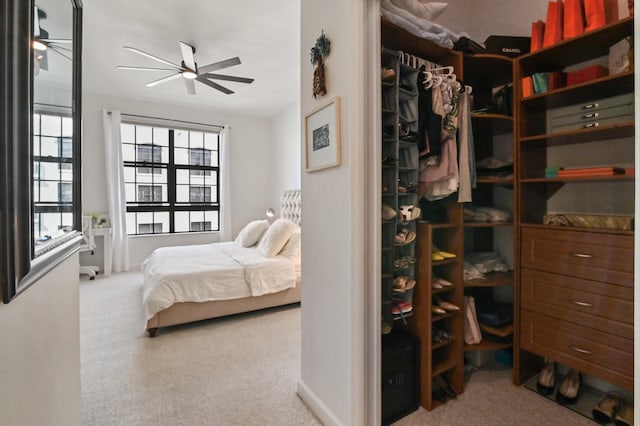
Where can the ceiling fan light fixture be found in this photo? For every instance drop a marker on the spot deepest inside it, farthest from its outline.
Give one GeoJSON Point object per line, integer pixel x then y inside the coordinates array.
{"type": "Point", "coordinates": [189, 75]}
{"type": "Point", "coordinates": [38, 45]}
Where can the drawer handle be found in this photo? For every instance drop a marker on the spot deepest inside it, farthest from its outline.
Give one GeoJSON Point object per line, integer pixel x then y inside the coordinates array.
{"type": "Point", "coordinates": [591, 106]}
{"type": "Point", "coordinates": [581, 255]}
{"type": "Point", "coordinates": [591, 115]}
{"type": "Point", "coordinates": [579, 303]}
{"type": "Point", "coordinates": [582, 351]}
{"type": "Point", "coordinates": [588, 126]}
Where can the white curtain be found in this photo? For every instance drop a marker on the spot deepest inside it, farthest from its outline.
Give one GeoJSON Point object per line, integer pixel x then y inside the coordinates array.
{"type": "Point", "coordinates": [225, 186]}
{"type": "Point", "coordinates": [115, 189]}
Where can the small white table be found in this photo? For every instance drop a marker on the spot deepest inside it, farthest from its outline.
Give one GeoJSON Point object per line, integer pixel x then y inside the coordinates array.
{"type": "Point", "coordinates": [107, 249]}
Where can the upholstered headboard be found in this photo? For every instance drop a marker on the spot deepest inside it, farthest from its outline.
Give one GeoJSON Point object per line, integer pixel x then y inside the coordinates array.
{"type": "Point", "coordinates": [291, 205]}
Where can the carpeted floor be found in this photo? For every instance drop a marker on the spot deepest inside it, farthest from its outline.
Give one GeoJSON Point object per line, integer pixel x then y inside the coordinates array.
{"type": "Point", "coordinates": [241, 370]}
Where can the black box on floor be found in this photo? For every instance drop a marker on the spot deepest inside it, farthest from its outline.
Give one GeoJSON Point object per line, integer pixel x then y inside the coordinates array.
{"type": "Point", "coordinates": [400, 375]}
{"type": "Point", "coordinates": [508, 45]}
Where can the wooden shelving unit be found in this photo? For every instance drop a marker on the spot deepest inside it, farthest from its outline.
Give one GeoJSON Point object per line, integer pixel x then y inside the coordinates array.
{"type": "Point", "coordinates": [599, 271]}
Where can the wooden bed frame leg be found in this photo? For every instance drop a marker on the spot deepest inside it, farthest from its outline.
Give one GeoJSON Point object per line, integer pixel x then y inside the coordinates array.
{"type": "Point", "coordinates": [152, 331]}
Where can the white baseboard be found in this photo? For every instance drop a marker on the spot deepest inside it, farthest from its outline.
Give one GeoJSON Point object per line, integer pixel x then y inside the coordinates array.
{"type": "Point", "coordinates": [321, 411]}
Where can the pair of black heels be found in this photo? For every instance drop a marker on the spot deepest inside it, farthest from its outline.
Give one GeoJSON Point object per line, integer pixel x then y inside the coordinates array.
{"type": "Point", "coordinates": [569, 389]}
{"type": "Point", "coordinates": [441, 389]}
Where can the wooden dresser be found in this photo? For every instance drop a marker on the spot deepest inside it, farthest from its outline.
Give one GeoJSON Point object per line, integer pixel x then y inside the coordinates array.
{"type": "Point", "coordinates": [577, 300]}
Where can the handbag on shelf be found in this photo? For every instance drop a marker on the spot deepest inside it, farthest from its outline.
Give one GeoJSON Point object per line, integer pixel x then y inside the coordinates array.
{"type": "Point", "coordinates": [472, 333]}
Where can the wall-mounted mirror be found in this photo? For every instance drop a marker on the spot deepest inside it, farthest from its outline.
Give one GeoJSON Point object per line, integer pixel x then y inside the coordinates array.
{"type": "Point", "coordinates": [41, 203]}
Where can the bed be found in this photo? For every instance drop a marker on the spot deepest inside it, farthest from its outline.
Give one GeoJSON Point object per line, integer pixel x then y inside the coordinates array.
{"type": "Point", "coordinates": [191, 283]}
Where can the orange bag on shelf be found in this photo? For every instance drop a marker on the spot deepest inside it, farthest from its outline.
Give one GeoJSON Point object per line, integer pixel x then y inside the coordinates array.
{"type": "Point", "coordinates": [599, 13]}
{"type": "Point", "coordinates": [553, 27]}
{"type": "Point", "coordinates": [537, 35]}
{"type": "Point", "coordinates": [573, 18]}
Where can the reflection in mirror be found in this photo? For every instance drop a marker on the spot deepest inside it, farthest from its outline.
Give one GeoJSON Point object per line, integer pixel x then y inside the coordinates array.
{"type": "Point", "coordinates": [53, 153]}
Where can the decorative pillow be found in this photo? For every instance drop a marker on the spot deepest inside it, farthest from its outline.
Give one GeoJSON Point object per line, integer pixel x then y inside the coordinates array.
{"type": "Point", "coordinates": [276, 237]}
{"type": "Point", "coordinates": [292, 248]}
{"type": "Point", "coordinates": [251, 233]}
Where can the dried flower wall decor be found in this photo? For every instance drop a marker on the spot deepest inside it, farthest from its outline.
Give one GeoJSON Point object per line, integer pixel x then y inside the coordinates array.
{"type": "Point", "coordinates": [319, 53]}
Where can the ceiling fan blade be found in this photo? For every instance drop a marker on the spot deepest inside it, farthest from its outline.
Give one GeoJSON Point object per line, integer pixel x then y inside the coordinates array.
{"type": "Point", "coordinates": [228, 78]}
{"type": "Point", "coordinates": [163, 80]}
{"type": "Point", "coordinates": [187, 55]}
{"type": "Point", "coordinates": [150, 56]}
{"type": "Point", "coordinates": [124, 67]}
{"type": "Point", "coordinates": [215, 86]}
{"type": "Point", "coordinates": [57, 40]}
{"type": "Point", "coordinates": [191, 87]}
{"type": "Point", "coordinates": [219, 65]}
{"type": "Point", "coordinates": [59, 52]}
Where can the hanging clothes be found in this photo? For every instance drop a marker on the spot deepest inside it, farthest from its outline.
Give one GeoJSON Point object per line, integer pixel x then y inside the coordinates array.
{"type": "Point", "coordinates": [467, 160]}
{"type": "Point", "coordinates": [429, 123]}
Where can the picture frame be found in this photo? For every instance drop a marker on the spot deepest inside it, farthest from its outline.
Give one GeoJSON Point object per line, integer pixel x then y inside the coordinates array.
{"type": "Point", "coordinates": [322, 137]}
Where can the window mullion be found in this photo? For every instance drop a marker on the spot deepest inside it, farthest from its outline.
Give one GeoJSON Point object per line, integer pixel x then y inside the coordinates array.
{"type": "Point", "coordinates": [171, 181]}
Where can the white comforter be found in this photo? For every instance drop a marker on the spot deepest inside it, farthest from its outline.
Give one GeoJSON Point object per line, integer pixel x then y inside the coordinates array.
{"type": "Point", "coordinates": [207, 272]}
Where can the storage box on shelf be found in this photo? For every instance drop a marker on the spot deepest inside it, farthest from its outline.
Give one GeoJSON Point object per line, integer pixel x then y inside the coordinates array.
{"type": "Point", "coordinates": [574, 299]}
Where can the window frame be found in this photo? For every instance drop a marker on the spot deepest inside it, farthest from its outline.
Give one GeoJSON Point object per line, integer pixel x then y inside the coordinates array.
{"type": "Point", "coordinates": [171, 205]}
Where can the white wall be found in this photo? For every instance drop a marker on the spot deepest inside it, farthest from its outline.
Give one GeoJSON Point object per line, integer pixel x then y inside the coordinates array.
{"type": "Point", "coordinates": [40, 352]}
{"type": "Point", "coordinates": [251, 144]}
{"type": "Point", "coordinates": [498, 17]}
{"type": "Point", "coordinates": [285, 155]}
{"type": "Point", "coordinates": [333, 354]}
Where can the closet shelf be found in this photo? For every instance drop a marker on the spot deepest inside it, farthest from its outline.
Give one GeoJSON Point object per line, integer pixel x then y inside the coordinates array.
{"type": "Point", "coordinates": [487, 224]}
{"type": "Point", "coordinates": [486, 345]}
{"type": "Point", "coordinates": [569, 179]}
{"type": "Point", "coordinates": [443, 367]}
{"type": "Point", "coordinates": [587, 46]}
{"type": "Point", "coordinates": [438, 345]}
{"type": "Point", "coordinates": [576, 229]}
{"type": "Point", "coordinates": [497, 180]}
{"type": "Point", "coordinates": [612, 85]}
{"type": "Point", "coordinates": [569, 137]}
{"type": "Point", "coordinates": [493, 279]}
{"type": "Point", "coordinates": [440, 317]}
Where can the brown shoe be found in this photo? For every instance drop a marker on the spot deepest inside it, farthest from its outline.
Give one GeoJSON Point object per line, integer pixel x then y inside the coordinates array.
{"type": "Point", "coordinates": [607, 407]}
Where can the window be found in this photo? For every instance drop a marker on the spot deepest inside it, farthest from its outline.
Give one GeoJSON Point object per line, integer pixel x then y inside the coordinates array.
{"type": "Point", "coordinates": [149, 228]}
{"type": "Point", "coordinates": [171, 179]}
{"type": "Point", "coordinates": [52, 174]}
{"type": "Point", "coordinates": [200, 226]}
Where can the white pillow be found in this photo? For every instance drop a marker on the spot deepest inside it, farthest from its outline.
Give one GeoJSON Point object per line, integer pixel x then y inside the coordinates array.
{"type": "Point", "coordinates": [292, 248]}
{"type": "Point", "coordinates": [276, 237]}
{"type": "Point", "coordinates": [252, 232]}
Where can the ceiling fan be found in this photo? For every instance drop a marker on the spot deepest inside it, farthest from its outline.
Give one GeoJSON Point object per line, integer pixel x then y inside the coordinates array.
{"type": "Point", "coordinates": [190, 71]}
{"type": "Point", "coordinates": [41, 43]}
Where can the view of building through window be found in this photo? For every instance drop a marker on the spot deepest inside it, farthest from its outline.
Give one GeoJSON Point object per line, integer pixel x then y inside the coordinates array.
{"type": "Point", "coordinates": [171, 179]}
{"type": "Point", "coordinates": [52, 174]}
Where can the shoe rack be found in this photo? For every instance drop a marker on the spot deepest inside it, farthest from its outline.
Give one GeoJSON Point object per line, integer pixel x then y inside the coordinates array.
{"type": "Point", "coordinates": [399, 177]}
{"type": "Point", "coordinates": [493, 131]}
{"type": "Point", "coordinates": [440, 334]}
{"type": "Point", "coordinates": [575, 292]}
{"type": "Point", "coordinates": [442, 366]}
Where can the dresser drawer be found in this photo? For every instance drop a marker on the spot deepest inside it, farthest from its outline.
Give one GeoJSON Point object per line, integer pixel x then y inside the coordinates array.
{"type": "Point", "coordinates": [602, 306]}
{"type": "Point", "coordinates": [591, 255]}
{"type": "Point", "coordinates": [590, 351]}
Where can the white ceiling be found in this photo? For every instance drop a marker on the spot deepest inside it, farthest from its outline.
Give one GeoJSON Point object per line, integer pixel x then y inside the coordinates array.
{"type": "Point", "coordinates": [265, 35]}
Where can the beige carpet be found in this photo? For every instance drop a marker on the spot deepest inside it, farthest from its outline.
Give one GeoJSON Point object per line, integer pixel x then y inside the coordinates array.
{"type": "Point", "coordinates": [232, 371]}
{"type": "Point", "coordinates": [491, 399]}
{"type": "Point", "coordinates": [241, 370]}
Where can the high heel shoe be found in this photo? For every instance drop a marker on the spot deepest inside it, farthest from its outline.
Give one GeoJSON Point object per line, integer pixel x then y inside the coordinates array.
{"type": "Point", "coordinates": [569, 388]}
{"type": "Point", "coordinates": [607, 407]}
{"type": "Point", "coordinates": [442, 384]}
{"type": "Point", "coordinates": [547, 378]}
{"type": "Point", "coordinates": [624, 415]}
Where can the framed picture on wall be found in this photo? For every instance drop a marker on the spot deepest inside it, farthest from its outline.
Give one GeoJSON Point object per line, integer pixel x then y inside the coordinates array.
{"type": "Point", "coordinates": [322, 137]}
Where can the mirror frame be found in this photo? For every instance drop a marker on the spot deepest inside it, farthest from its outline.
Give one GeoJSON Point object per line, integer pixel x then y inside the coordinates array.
{"type": "Point", "coordinates": [18, 267]}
